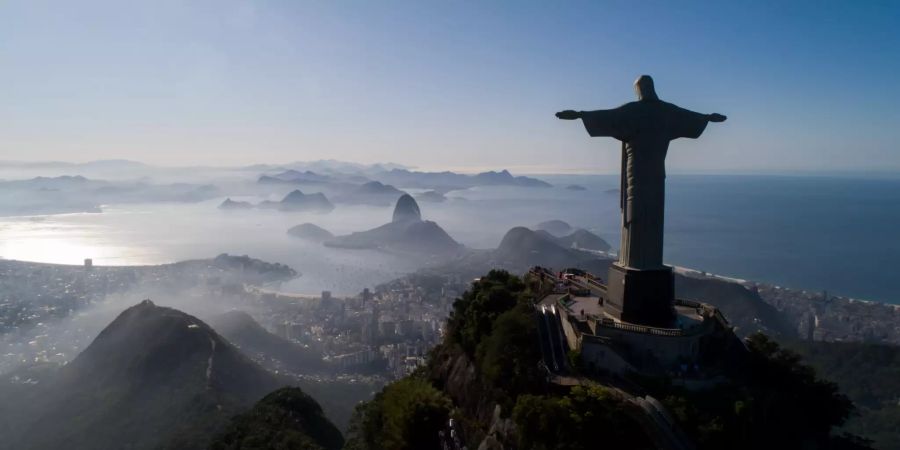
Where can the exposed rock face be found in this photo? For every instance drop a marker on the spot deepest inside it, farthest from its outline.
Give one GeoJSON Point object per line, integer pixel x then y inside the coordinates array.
{"type": "Point", "coordinates": [310, 232]}
{"type": "Point", "coordinates": [407, 209]}
{"type": "Point", "coordinates": [456, 375]}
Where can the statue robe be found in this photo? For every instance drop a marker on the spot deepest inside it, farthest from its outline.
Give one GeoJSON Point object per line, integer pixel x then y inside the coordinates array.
{"type": "Point", "coordinates": [645, 128]}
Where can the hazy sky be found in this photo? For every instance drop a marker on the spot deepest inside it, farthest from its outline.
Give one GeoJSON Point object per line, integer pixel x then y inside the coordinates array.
{"type": "Point", "coordinates": [810, 86]}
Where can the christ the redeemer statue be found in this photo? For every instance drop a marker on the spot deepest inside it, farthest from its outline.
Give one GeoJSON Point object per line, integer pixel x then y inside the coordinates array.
{"type": "Point", "coordinates": [645, 128]}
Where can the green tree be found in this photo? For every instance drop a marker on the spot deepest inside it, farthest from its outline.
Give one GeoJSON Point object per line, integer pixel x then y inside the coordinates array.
{"type": "Point", "coordinates": [509, 356]}
{"type": "Point", "coordinates": [473, 315]}
{"type": "Point", "coordinates": [771, 400]}
{"type": "Point", "coordinates": [787, 397]}
{"type": "Point", "coordinates": [869, 374]}
{"type": "Point", "coordinates": [406, 415]}
{"type": "Point", "coordinates": [587, 417]}
{"type": "Point", "coordinates": [286, 419]}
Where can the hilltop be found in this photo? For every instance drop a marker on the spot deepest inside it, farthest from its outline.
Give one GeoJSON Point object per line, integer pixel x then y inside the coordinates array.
{"type": "Point", "coordinates": [406, 233]}
{"type": "Point", "coordinates": [285, 419]}
{"type": "Point", "coordinates": [296, 200]}
{"type": "Point", "coordinates": [522, 248]}
{"type": "Point", "coordinates": [487, 376]}
{"type": "Point", "coordinates": [186, 380]}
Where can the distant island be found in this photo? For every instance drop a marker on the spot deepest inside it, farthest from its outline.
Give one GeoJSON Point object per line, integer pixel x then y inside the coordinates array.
{"type": "Point", "coordinates": [373, 193]}
{"type": "Point", "coordinates": [76, 193]}
{"type": "Point", "coordinates": [295, 177]}
{"type": "Point", "coordinates": [326, 183]}
{"type": "Point", "coordinates": [310, 232]}
{"type": "Point", "coordinates": [294, 201]}
{"type": "Point", "coordinates": [406, 232]}
{"type": "Point", "coordinates": [450, 180]}
{"type": "Point", "coordinates": [555, 227]}
{"type": "Point", "coordinates": [231, 204]}
{"type": "Point", "coordinates": [431, 197]}
{"type": "Point", "coordinates": [378, 186]}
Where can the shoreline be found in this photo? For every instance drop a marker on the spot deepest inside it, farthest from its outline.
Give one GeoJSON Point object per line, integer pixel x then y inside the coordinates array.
{"type": "Point", "coordinates": [681, 270]}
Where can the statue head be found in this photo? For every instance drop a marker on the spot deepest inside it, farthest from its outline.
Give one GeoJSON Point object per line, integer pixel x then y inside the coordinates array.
{"type": "Point", "coordinates": [644, 89]}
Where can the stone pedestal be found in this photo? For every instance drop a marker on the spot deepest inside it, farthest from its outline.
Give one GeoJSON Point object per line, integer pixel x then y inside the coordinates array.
{"type": "Point", "coordinates": [644, 297]}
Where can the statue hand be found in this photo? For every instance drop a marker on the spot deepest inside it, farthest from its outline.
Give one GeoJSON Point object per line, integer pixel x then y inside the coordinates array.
{"type": "Point", "coordinates": [716, 117]}
{"type": "Point", "coordinates": [568, 115]}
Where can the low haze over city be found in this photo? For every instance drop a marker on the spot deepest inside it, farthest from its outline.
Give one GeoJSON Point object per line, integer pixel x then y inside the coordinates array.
{"type": "Point", "coordinates": [396, 225]}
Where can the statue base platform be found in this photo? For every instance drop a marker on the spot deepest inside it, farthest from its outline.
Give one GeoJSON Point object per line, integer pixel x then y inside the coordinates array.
{"type": "Point", "coordinates": [644, 297]}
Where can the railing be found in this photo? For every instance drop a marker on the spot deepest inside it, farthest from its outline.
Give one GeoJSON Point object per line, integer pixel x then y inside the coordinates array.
{"type": "Point", "coordinates": [688, 303]}
{"type": "Point", "coordinates": [548, 281]}
{"type": "Point", "coordinates": [595, 284]}
{"type": "Point", "coordinates": [708, 310]}
{"type": "Point", "coordinates": [641, 329]}
{"type": "Point", "coordinates": [703, 309]}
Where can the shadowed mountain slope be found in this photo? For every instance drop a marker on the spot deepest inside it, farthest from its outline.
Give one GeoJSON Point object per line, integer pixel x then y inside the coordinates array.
{"type": "Point", "coordinates": [271, 351]}
{"type": "Point", "coordinates": [520, 249]}
{"type": "Point", "coordinates": [743, 307]}
{"type": "Point", "coordinates": [285, 419]}
{"type": "Point", "coordinates": [296, 200]}
{"type": "Point", "coordinates": [154, 378]}
{"type": "Point", "coordinates": [406, 210]}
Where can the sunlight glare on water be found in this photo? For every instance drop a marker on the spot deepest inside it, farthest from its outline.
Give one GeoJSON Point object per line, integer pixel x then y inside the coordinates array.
{"type": "Point", "coordinates": [62, 239]}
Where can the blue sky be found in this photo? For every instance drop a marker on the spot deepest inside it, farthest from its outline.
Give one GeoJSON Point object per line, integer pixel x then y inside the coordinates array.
{"type": "Point", "coordinates": [807, 86]}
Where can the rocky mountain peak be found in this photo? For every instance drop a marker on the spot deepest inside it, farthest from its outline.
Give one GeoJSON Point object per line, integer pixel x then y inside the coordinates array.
{"type": "Point", "coordinates": [407, 210]}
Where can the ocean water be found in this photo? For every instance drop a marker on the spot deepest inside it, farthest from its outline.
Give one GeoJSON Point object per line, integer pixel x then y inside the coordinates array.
{"type": "Point", "coordinates": [836, 234]}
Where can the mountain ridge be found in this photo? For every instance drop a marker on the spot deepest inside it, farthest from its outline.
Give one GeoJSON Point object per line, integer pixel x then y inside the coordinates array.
{"type": "Point", "coordinates": [184, 377]}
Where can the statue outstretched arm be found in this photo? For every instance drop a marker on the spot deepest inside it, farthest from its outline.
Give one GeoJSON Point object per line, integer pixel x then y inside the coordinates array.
{"type": "Point", "coordinates": [684, 123]}
{"type": "Point", "coordinates": [569, 115]}
{"type": "Point", "coordinates": [617, 123]}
